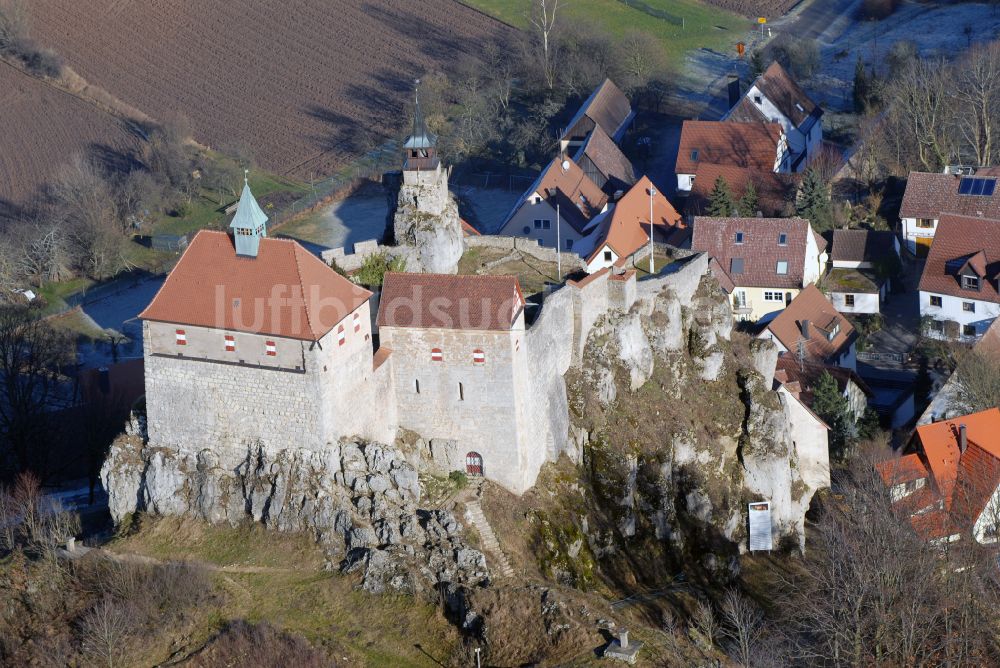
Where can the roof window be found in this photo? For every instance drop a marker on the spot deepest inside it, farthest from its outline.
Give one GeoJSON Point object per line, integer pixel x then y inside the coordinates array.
{"type": "Point", "coordinates": [694, 154]}
{"type": "Point", "coordinates": [739, 237]}
{"type": "Point", "coordinates": [782, 239]}
{"type": "Point", "coordinates": [736, 265]}
{"type": "Point", "coordinates": [782, 267]}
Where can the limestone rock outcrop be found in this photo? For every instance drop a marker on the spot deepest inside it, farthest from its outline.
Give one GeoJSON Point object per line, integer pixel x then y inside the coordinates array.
{"type": "Point", "coordinates": [427, 227]}
{"type": "Point", "coordinates": [358, 499]}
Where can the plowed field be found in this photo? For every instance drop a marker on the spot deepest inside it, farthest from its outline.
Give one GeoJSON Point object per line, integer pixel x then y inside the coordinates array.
{"type": "Point", "coordinates": [298, 81]}
{"type": "Point", "coordinates": [770, 9]}
{"type": "Point", "coordinates": [40, 128]}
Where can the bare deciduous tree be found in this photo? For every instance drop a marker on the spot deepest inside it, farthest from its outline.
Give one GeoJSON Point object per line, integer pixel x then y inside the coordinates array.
{"type": "Point", "coordinates": [978, 378]}
{"type": "Point", "coordinates": [744, 625]}
{"type": "Point", "coordinates": [542, 17]}
{"type": "Point", "coordinates": [106, 631]}
{"type": "Point", "coordinates": [704, 622]}
{"type": "Point", "coordinates": [977, 89]}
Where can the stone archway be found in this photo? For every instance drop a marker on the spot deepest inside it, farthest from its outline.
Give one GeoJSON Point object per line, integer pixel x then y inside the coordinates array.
{"type": "Point", "coordinates": [474, 463]}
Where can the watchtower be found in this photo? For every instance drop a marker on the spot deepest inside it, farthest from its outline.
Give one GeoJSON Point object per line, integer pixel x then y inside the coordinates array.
{"type": "Point", "coordinates": [249, 224]}
{"type": "Point", "coordinates": [421, 146]}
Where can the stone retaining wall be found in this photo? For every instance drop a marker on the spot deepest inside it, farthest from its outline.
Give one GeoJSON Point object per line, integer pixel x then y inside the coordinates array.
{"type": "Point", "coordinates": [570, 261]}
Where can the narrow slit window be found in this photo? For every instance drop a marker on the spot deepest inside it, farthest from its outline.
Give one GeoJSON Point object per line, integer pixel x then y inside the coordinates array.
{"type": "Point", "coordinates": [461, 392]}
{"type": "Point", "coordinates": [478, 356]}
{"type": "Point", "coordinates": [437, 355]}
{"type": "Point", "coordinates": [341, 336]}
{"type": "Point", "coordinates": [180, 337]}
{"type": "Point", "coordinates": [230, 343]}
{"type": "Point", "coordinates": [357, 322]}
{"type": "Point", "coordinates": [416, 385]}
{"type": "Point", "coordinates": [270, 348]}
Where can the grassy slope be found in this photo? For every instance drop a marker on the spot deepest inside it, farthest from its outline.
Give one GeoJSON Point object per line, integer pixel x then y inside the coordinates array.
{"type": "Point", "coordinates": [294, 592]}
{"type": "Point", "coordinates": [700, 29]}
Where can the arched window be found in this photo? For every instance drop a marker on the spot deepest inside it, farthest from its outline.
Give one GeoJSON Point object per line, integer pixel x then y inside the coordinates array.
{"type": "Point", "coordinates": [357, 322]}
{"type": "Point", "coordinates": [474, 463]}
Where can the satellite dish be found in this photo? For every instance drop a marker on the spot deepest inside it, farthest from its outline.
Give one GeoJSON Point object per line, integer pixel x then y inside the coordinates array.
{"type": "Point", "coordinates": [565, 165]}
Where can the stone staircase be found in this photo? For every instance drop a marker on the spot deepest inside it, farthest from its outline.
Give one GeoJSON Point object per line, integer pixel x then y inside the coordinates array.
{"type": "Point", "coordinates": [488, 540]}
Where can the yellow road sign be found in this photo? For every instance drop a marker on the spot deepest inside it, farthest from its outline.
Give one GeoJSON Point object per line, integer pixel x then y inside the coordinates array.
{"type": "Point", "coordinates": [761, 20]}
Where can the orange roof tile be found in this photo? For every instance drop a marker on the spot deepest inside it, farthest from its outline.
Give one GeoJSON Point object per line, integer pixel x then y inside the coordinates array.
{"type": "Point", "coordinates": [284, 291]}
{"type": "Point", "coordinates": [902, 469]}
{"type": "Point", "coordinates": [939, 443]}
{"type": "Point", "coordinates": [564, 183]}
{"type": "Point", "coordinates": [626, 228]}
{"type": "Point", "coordinates": [812, 305]}
{"type": "Point", "coordinates": [753, 145]}
{"type": "Point", "coordinates": [450, 302]}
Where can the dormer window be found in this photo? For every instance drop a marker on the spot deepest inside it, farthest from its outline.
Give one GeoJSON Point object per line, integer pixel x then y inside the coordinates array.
{"type": "Point", "coordinates": [758, 100]}
{"type": "Point", "coordinates": [833, 332]}
{"type": "Point", "coordinates": [970, 282]}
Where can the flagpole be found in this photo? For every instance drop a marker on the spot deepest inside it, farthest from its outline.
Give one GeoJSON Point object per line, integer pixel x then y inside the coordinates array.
{"type": "Point", "coordinates": [558, 248]}
{"type": "Point", "coordinates": [652, 191]}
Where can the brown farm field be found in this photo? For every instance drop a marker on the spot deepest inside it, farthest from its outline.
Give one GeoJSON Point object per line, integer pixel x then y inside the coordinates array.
{"type": "Point", "coordinates": [771, 9]}
{"type": "Point", "coordinates": [43, 127]}
{"type": "Point", "coordinates": [302, 83]}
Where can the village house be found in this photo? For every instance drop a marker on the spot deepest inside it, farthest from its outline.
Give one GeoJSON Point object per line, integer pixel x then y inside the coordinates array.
{"type": "Point", "coordinates": [604, 163]}
{"type": "Point", "coordinates": [460, 369]}
{"type": "Point", "coordinates": [859, 263]}
{"type": "Point", "coordinates": [812, 436]}
{"type": "Point", "coordinates": [607, 108]}
{"type": "Point", "coordinates": [252, 338]}
{"type": "Point", "coordinates": [948, 479]}
{"type": "Point", "coordinates": [800, 376]}
{"type": "Point", "coordinates": [761, 147]}
{"type": "Point", "coordinates": [959, 291]}
{"type": "Point", "coordinates": [761, 263]}
{"type": "Point", "coordinates": [624, 230]}
{"type": "Point", "coordinates": [775, 192]}
{"type": "Point", "coordinates": [561, 207]}
{"type": "Point", "coordinates": [775, 97]}
{"type": "Point", "coordinates": [946, 401]}
{"type": "Point", "coordinates": [810, 328]}
{"type": "Point", "coordinates": [929, 195]}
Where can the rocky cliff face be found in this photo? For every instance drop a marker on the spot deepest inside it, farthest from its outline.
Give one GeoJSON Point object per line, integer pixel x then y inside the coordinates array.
{"type": "Point", "coordinates": [427, 227]}
{"type": "Point", "coordinates": [682, 432]}
{"type": "Point", "coordinates": [358, 499]}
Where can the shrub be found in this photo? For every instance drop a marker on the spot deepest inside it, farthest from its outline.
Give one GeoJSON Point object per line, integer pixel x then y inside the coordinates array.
{"type": "Point", "coordinates": [372, 272]}
{"type": "Point", "coordinates": [261, 645]}
{"type": "Point", "coordinates": [459, 478]}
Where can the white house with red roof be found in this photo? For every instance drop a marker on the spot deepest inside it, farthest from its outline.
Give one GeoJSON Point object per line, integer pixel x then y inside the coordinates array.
{"type": "Point", "coordinates": [960, 285]}
{"type": "Point", "coordinates": [948, 479]}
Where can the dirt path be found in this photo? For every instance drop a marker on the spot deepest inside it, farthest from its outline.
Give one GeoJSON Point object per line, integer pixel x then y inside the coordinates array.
{"type": "Point", "coordinates": [142, 559]}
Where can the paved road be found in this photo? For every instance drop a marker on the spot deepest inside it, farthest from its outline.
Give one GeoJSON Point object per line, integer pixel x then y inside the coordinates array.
{"type": "Point", "coordinates": [823, 20]}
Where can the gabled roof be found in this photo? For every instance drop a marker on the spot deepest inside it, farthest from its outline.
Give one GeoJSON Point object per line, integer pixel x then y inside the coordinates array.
{"type": "Point", "coordinates": [249, 215]}
{"type": "Point", "coordinates": [861, 246]}
{"type": "Point", "coordinates": [828, 331]}
{"type": "Point", "coordinates": [626, 227]}
{"type": "Point", "coordinates": [760, 250]}
{"type": "Point", "coordinates": [807, 374]}
{"type": "Point", "coordinates": [775, 192]}
{"type": "Point", "coordinates": [753, 145]}
{"type": "Point", "coordinates": [959, 241]}
{"type": "Point", "coordinates": [784, 93]}
{"type": "Point", "coordinates": [607, 107]}
{"type": "Point", "coordinates": [745, 111]}
{"type": "Point", "coordinates": [607, 158]}
{"type": "Point", "coordinates": [565, 184]}
{"type": "Point", "coordinates": [284, 291]}
{"type": "Point", "coordinates": [928, 195]}
{"type": "Point", "coordinates": [441, 301]}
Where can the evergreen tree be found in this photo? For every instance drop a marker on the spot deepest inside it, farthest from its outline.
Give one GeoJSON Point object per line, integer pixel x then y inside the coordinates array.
{"type": "Point", "coordinates": [833, 407]}
{"type": "Point", "coordinates": [814, 202]}
{"type": "Point", "coordinates": [750, 202]}
{"type": "Point", "coordinates": [720, 201]}
{"type": "Point", "coordinates": [757, 64]}
{"type": "Point", "coordinates": [862, 87]}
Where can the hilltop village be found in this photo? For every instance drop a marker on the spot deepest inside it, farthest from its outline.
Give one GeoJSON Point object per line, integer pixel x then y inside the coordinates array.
{"type": "Point", "coordinates": [605, 365]}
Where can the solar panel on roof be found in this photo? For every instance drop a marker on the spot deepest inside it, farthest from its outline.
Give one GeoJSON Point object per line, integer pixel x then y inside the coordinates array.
{"type": "Point", "coordinates": [977, 187]}
{"type": "Point", "coordinates": [965, 185]}
{"type": "Point", "coordinates": [990, 186]}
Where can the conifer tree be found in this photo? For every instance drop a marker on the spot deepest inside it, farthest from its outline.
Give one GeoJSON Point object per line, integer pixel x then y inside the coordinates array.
{"type": "Point", "coordinates": [814, 202]}
{"type": "Point", "coordinates": [862, 87]}
{"type": "Point", "coordinates": [720, 200]}
{"type": "Point", "coordinates": [833, 407]}
{"type": "Point", "coordinates": [750, 202]}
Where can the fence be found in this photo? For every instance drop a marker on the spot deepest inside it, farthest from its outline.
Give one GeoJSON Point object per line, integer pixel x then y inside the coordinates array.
{"type": "Point", "coordinates": [369, 167]}
{"type": "Point", "coordinates": [654, 12]}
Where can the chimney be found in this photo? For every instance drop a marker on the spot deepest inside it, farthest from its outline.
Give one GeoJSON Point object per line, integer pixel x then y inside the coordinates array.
{"type": "Point", "coordinates": [805, 329]}
{"type": "Point", "coordinates": [623, 637]}
{"type": "Point", "coordinates": [734, 90]}
{"type": "Point", "coordinates": [963, 439]}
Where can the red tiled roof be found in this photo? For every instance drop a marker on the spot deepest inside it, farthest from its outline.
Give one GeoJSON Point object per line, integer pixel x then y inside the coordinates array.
{"type": "Point", "coordinates": [745, 111]}
{"type": "Point", "coordinates": [785, 94]}
{"type": "Point", "coordinates": [775, 192]}
{"type": "Point", "coordinates": [564, 183]}
{"type": "Point", "coordinates": [450, 302]}
{"type": "Point", "coordinates": [811, 305]}
{"type": "Point", "coordinates": [284, 291]}
{"type": "Point", "coordinates": [928, 195]}
{"type": "Point", "coordinates": [626, 228]}
{"type": "Point", "coordinates": [753, 145]}
{"type": "Point", "coordinates": [939, 443]}
{"type": "Point", "coordinates": [760, 251]}
{"type": "Point", "coordinates": [807, 373]}
{"type": "Point", "coordinates": [902, 469]}
{"type": "Point", "coordinates": [468, 230]}
{"type": "Point", "coordinates": [957, 240]}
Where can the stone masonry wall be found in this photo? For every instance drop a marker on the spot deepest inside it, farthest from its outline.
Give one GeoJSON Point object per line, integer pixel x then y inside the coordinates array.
{"type": "Point", "coordinates": [570, 261]}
